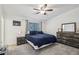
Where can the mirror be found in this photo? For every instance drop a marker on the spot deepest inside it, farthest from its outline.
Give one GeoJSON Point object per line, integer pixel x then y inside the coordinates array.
{"type": "Point", "coordinates": [69, 27]}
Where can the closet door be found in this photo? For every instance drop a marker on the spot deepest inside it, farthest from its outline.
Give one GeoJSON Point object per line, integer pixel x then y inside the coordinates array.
{"type": "Point", "coordinates": [0, 33]}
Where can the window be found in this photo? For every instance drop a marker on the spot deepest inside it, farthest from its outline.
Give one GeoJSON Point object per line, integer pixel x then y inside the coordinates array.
{"type": "Point", "coordinates": [34, 27]}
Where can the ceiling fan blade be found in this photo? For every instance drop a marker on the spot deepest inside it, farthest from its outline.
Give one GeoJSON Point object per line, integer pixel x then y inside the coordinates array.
{"type": "Point", "coordinates": [36, 9]}
{"type": "Point", "coordinates": [45, 5]}
{"type": "Point", "coordinates": [49, 10]}
{"type": "Point", "coordinates": [37, 12]}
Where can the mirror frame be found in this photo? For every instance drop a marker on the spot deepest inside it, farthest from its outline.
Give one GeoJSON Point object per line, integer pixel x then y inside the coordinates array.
{"type": "Point", "coordinates": [68, 24]}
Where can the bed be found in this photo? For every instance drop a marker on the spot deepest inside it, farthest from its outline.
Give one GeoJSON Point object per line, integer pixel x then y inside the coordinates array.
{"type": "Point", "coordinates": [38, 39]}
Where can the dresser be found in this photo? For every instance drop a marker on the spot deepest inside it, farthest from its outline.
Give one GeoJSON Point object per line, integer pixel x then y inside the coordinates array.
{"type": "Point", "coordinates": [68, 38]}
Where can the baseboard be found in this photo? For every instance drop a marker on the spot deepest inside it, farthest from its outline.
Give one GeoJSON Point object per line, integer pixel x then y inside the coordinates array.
{"type": "Point", "coordinates": [12, 45]}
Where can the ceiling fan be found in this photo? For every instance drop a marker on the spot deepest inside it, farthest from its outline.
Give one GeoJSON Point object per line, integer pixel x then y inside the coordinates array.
{"type": "Point", "coordinates": [43, 9]}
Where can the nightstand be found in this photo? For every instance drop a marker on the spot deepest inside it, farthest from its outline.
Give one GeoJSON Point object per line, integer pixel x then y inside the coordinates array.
{"type": "Point", "coordinates": [21, 40]}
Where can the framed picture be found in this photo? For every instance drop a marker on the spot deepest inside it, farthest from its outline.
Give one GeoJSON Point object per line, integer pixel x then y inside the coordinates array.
{"type": "Point", "coordinates": [16, 23]}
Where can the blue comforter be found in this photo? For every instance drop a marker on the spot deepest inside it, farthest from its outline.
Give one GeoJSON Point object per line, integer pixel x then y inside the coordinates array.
{"type": "Point", "coordinates": [41, 39]}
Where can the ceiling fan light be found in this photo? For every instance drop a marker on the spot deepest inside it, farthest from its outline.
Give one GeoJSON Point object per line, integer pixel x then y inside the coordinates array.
{"type": "Point", "coordinates": [40, 5]}
{"type": "Point", "coordinates": [42, 12]}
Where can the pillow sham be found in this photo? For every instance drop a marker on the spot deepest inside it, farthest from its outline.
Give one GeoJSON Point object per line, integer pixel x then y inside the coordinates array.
{"type": "Point", "coordinates": [39, 32]}
{"type": "Point", "coordinates": [32, 32]}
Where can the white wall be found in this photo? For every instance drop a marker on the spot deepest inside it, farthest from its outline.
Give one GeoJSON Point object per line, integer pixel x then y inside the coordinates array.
{"type": "Point", "coordinates": [9, 33]}
{"type": "Point", "coordinates": [53, 24]}
{"type": "Point", "coordinates": [12, 32]}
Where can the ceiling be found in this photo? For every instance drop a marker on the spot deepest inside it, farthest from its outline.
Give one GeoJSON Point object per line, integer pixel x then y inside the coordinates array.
{"type": "Point", "coordinates": [26, 10]}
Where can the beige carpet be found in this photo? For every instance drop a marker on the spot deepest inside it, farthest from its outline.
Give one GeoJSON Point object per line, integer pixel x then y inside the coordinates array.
{"type": "Point", "coordinates": [56, 49]}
